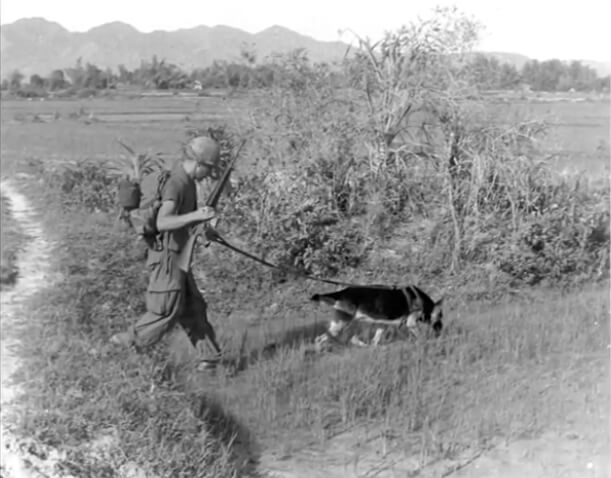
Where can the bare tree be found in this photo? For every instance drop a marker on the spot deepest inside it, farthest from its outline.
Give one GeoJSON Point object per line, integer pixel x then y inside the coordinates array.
{"type": "Point", "coordinates": [409, 71]}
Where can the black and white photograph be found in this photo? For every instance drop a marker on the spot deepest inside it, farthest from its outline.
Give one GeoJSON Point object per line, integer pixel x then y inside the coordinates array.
{"type": "Point", "coordinates": [322, 239]}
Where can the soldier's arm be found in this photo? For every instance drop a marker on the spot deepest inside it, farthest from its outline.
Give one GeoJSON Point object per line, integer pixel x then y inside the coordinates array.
{"type": "Point", "coordinates": [168, 220]}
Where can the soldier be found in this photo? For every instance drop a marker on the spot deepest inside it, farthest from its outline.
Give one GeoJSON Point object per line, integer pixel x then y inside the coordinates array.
{"type": "Point", "coordinates": [173, 301]}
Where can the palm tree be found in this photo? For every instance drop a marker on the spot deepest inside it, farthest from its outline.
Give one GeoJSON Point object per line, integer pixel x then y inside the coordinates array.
{"type": "Point", "coordinates": [132, 169]}
{"type": "Point", "coordinates": [135, 166]}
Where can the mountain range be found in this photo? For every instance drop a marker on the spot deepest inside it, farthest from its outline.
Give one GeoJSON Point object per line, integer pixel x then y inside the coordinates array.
{"type": "Point", "coordinates": [36, 45]}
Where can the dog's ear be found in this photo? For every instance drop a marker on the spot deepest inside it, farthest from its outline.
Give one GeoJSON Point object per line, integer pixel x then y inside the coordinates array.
{"type": "Point", "coordinates": [315, 297]}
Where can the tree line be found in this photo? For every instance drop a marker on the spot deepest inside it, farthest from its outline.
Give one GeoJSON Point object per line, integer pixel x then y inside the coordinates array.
{"type": "Point", "coordinates": [482, 71]}
{"type": "Point", "coordinates": [550, 75]}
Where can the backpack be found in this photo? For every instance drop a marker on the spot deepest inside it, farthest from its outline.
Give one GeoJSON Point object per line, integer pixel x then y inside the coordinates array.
{"type": "Point", "coordinates": [140, 203]}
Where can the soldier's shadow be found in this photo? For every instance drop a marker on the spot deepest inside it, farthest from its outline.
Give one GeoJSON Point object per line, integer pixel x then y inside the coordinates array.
{"type": "Point", "coordinates": [235, 437]}
{"type": "Point", "coordinates": [201, 388]}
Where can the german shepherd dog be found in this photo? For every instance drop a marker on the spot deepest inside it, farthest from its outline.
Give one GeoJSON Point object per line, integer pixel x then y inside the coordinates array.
{"type": "Point", "coordinates": [382, 306]}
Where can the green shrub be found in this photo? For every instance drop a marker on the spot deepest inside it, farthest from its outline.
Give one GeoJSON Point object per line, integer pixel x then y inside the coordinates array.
{"type": "Point", "coordinates": [563, 245]}
{"type": "Point", "coordinates": [83, 184]}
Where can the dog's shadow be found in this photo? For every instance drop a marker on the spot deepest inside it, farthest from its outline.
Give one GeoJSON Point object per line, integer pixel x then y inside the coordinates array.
{"type": "Point", "coordinates": [226, 427]}
{"type": "Point", "coordinates": [288, 339]}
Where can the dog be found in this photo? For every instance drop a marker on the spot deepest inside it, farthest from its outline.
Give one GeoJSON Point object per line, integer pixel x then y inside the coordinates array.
{"type": "Point", "coordinates": [383, 306]}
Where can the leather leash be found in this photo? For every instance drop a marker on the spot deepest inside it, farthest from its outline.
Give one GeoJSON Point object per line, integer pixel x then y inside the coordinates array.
{"type": "Point", "coordinates": [215, 237]}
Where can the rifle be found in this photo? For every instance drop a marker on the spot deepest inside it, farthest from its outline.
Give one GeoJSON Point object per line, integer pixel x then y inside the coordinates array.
{"type": "Point", "coordinates": [186, 255]}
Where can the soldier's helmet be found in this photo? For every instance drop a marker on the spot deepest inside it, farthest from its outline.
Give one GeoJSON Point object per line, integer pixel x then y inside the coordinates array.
{"type": "Point", "coordinates": [207, 153]}
{"type": "Point", "coordinates": [204, 150]}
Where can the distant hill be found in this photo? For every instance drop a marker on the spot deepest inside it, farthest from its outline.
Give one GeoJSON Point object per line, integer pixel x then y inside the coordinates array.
{"type": "Point", "coordinates": [35, 45]}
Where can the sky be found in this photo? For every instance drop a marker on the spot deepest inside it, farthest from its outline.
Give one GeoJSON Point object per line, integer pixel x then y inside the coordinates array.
{"type": "Point", "coordinates": [536, 28]}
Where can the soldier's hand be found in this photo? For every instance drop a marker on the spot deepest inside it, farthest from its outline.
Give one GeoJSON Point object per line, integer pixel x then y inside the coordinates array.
{"type": "Point", "coordinates": [205, 214]}
{"type": "Point", "coordinates": [209, 213]}
{"type": "Point", "coordinates": [213, 222]}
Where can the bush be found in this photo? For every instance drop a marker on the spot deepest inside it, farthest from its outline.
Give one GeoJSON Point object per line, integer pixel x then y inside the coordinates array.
{"type": "Point", "coordinates": [266, 208]}
{"type": "Point", "coordinates": [569, 243]}
{"type": "Point", "coordinates": [313, 200]}
{"type": "Point", "coordinates": [83, 184]}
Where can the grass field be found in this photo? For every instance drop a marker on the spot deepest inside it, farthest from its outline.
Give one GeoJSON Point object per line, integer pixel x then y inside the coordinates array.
{"type": "Point", "coordinates": [508, 369]}
{"type": "Point", "coordinates": [577, 139]}
{"type": "Point", "coordinates": [578, 136]}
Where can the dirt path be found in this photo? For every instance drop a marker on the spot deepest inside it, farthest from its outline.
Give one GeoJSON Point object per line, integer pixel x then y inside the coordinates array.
{"type": "Point", "coordinates": [21, 458]}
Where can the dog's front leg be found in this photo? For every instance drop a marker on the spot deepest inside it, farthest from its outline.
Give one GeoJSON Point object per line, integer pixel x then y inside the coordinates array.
{"type": "Point", "coordinates": [321, 342]}
{"type": "Point", "coordinates": [354, 340]}
{"type": "Point", "coordinates": [332, 333]}
{"type": "Point", "coordinates": [321, 339]}
{"type": "Point", "coordinates": [411, 323]}
{"type": "Point", "coordinates": [335, 328]}
{"type": "Point", "coordinates": [378, 336]}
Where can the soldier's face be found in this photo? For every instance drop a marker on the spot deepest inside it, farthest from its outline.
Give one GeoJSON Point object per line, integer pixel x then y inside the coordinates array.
{"type": "Point", "coordinates": [206, 170]}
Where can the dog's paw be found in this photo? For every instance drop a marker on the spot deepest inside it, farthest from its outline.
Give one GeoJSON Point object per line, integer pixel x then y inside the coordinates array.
{"type": "Point", "coordinates": [321, 339]}
{"type": "Point", "coordinates": [356, 340]}
{"type": "Point", "coordinates": [321, 343]}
